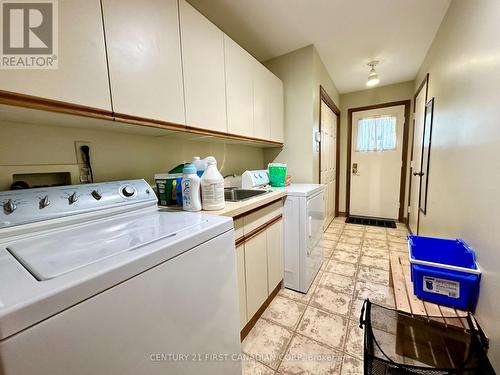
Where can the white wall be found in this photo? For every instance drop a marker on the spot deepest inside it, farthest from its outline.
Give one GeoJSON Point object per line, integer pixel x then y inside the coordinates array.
{"type": "Point", "coordinates": [302, 72]}
{"type": "Point", "coordinates": [114, 155]}
{"type": "Point", "coordinates": [377, 95]}
{"type": "Point", "coordinates": [464, 180]}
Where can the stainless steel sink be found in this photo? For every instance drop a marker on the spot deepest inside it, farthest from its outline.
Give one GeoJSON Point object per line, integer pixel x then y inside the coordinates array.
{"type": "Point", "coordinates": [234, 194]}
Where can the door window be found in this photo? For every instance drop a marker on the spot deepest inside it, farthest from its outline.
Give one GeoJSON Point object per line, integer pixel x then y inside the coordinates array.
{"type": "Point", "coordinates": [376, 134]}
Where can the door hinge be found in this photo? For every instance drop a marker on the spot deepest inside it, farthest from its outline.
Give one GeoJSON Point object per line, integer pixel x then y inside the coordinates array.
{"type": "Point", "coordinates": [409, 209]}
{"type": "Point", "coordinates": [411, 164]}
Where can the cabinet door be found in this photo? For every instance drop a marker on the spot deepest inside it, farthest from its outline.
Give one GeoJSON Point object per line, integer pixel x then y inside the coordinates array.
{"type": "Point", "coordinates": [276, 109]}
{"type": "Point", "coordinates": [82, 76]}
{"type": "Point", "coordinates": [240, 270]}
{"type": "Point", "coordinates": [275, 259]}
{"type": "Point", "coordinates": [144, 56]}
{"type": "Point", "coordinates": [203, 68]}
{"type": "Point", "coordinates": [239, 89]}
{"type": "Point", "coordinates": [261, 124]}
{"type": "Point", "coordinates": [256, 272]}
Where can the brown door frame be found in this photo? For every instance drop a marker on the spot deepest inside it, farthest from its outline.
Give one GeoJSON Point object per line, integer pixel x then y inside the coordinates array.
{"type": "Point", "coordinates": [323, 96]}
{"type": "Point", "coordinates": [407, 104]}
{"type": "Point", "coordinates": [425, 82]}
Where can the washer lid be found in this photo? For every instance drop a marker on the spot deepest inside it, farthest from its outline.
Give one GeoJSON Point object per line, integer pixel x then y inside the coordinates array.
{"type": "Point", "coordinates": [304, 190]}
{"type": "Point", "coordinates": [54, 254]}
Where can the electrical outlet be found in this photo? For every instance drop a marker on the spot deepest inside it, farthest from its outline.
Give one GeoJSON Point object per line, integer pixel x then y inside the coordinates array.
{"type": "Point", "coordinates": [78, 150]}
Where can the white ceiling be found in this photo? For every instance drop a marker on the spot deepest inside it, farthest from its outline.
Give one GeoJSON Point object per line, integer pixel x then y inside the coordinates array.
{"type": "Point", "coordinates": [347, 33]}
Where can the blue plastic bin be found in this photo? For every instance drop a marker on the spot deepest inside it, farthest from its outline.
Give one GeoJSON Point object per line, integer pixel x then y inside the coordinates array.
{"type": "Point", "coordinates": [444, 271]}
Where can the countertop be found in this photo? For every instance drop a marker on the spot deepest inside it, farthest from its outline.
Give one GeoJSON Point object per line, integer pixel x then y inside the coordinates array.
{"type": "Point", "coordinates": [234, 209]}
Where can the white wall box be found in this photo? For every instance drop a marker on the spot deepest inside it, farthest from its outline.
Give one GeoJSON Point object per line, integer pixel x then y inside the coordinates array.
{"type": "Point", "coordinates": [144, 56]}
{"type": "Point", "coordinates": [203, 68]}
{"type": "Point", "coordinates": [81, 77]}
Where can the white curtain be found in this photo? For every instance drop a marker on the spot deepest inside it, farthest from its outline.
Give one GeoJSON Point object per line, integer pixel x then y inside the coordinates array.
{"type": "Point", "coordinates": [376, 134]}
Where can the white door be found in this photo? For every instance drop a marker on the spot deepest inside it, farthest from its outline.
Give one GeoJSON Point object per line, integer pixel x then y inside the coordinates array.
{"type": "Point", "coordinates": [416, 160]}
{"type": "Point", "coordinates": [328, 159]}
{"type": "Point", "coordinates": [376, 159]}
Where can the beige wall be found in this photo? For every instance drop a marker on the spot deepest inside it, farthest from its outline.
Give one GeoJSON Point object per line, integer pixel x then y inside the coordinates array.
{"type": "Point", "coordinates": [464, 77]}
{"type": "Point", "coordinates": [378, 95]}
{"type": "Point", "coordinates": [115, 155]}
{"type": "Point", "coordinates": [302, 72]}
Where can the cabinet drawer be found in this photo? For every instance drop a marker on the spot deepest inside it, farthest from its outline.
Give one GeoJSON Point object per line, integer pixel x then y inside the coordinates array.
{"type": "Point", "coordinates": [260, 217]}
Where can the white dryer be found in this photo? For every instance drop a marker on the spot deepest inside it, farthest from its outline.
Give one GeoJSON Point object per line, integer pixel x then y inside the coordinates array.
{"type": "Point", "coordinates": [95, 279]}
{"type": "Point", "coordinates": [303, 218]}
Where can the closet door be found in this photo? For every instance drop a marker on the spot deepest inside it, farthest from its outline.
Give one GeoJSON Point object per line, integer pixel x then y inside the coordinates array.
{"type": "Point", "coordinates": [144, 54]}
{"type": "Point", "coordinates": [202, 46]}
{"type": "Point", "coordinates": [82, 76]}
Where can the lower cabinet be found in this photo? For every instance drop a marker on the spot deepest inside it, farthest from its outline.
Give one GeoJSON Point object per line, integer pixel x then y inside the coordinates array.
{"type": "Point", "coordinates": [240, 270]}
{"type": "Point", "coordinates": [260, 261]}
{"type": "Point", "coordinates": [275, 261]}
{"type": "Point", "coordinates": [256, 272]}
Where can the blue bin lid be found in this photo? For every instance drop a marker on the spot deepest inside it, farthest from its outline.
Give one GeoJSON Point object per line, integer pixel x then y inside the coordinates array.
{"type": "Point", "coordinates": [439, 251]}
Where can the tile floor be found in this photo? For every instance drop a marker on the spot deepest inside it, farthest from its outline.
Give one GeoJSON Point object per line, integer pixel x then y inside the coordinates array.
{"type": "Point", "coordinates": [318, 332]}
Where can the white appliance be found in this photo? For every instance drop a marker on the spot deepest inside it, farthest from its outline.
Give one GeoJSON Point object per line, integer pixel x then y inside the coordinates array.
{"type": "Point", "coordinates": [95, 279]}
{"type": "Point", "coordinates": [303, 218]}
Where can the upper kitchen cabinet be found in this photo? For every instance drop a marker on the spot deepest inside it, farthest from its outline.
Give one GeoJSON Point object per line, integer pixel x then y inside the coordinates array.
{"type": "Point", "coordinates": [203, 67]}
{"type": "Point", "coordinates": [81, 77]}
{"type": "Point", "coordinates": [276, 109]}
{"type": "Point", "coordinates": [261, 104]}
{"type": "Point", "coordinates": [239, 89]}
{"type": "Point", "coordinates": [144, 54]}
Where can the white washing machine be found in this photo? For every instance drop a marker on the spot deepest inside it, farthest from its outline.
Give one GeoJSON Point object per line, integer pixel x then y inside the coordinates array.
{"type": "Point", "coordinates": [95, 279]}
{"type": "Point", "coordinates": [303, 218]}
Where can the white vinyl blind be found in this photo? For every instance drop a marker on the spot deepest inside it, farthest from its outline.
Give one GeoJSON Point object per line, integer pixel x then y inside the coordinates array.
{"type": "Point", "coordinates": [376, 134]}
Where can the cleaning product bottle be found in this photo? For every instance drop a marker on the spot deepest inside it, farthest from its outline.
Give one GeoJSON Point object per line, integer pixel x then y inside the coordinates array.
{"type": "Point", "coordinates": [190, 189]}
{"type": "Point", "coordinates": [212, 187]}
{"type": "Point", "coordinates": [200, 164]}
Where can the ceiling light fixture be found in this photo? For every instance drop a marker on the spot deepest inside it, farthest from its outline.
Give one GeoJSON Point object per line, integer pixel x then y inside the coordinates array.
{"type": "Point", "coordinates": [372, 76]}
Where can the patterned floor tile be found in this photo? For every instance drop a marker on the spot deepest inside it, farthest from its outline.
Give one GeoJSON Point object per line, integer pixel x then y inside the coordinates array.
{"type": "Point", "coordinates": [342, 268]}
{"type": "Point", "coordinates": [351, 240]}
{"type": "Point", "coordinates": [381, 263]}
{"type": "Point", "coordinates": [345, 256]}
{"type": "Point", "coordinates": [355, 227]}
{"type": "Point", "coordinates": [267, 342]}
{"type": "Point", "coordinates": [378, 293]}
{"type": "Point", "coordinates": [331, 300]}
{"type": "Point", "coordinates": [252, 367]}
{"type": "Point", "coordinates": [375, 252]}
{"type": "Point", "coordinates": [356, 306]}
{"type": "Point", "coordinates": [343, 284]}
{"type": "Point", "coordinates": [374, 275]}
{"type": "Point", "coordinates": [284, 311]}
{"type": "Point", "coordinates": [305, 356]}
{"type": "Point", "coordinates": [349, 247]}
{"type": "Point", "coordinates": [394, 246]}
{"type": "Point", "coordinates": [331, 236]}
{"type": "Point", "coordinates": [373, 243]}
{"type": "Point", "coordinates": [327, 244]}
{"type": "Point", "coordinates": [326, 328]}
{"type": "Point", "coordinates": [297, 296]}
{"type": "Point", "coordinates": [352, 366]}
{"type": "Point", "coordinates": [370, 229]}
{"type": "Point", "coordinates": [352, 233]}
{"type": "Point", "coordinates": [354, 341]}
{"type": "Point", "coordinates": [376, 236]}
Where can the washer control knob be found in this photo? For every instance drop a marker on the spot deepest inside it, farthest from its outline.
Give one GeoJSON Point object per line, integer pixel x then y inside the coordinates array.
{"type": "Point", "coordinates": [72, 198]}
{"type": "Point", "coordinates": [9, 206]}
{"type": "Point", "coordinates": [96, 195]}
{"type": "Point", "coordinates": [128, 191]}
{"type": "Point", "coordinates": [44, 202]}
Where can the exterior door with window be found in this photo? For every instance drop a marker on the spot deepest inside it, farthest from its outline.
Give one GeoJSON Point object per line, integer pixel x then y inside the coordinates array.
{"type": "Point", "coordinates": [328, 159]}
{"type": "Point", "coordinates": [376, 158]}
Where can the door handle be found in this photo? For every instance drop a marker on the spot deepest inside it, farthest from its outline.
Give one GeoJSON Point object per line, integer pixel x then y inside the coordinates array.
{"type": "Point", "coordinates": [420, 174]}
